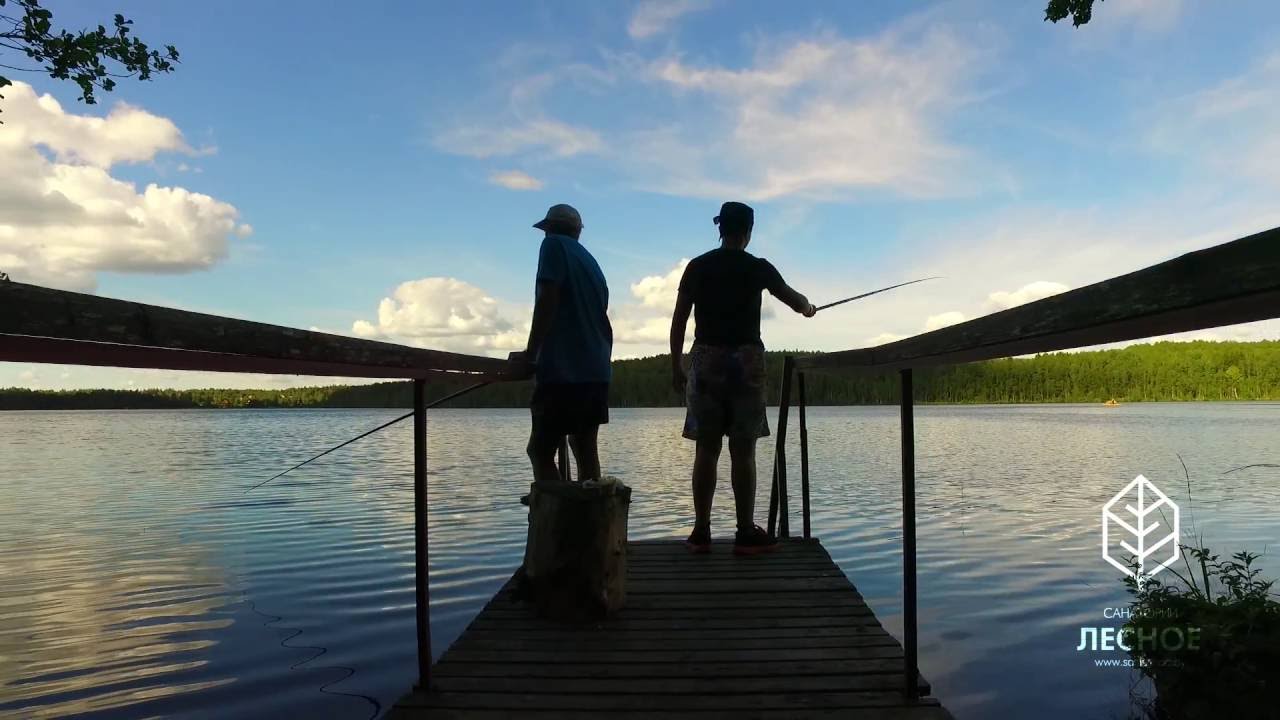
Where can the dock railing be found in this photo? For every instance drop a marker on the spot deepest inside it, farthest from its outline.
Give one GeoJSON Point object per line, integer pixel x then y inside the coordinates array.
{"type": "Point", "coordinates": [1227, 284]}
{"type": "Point", "coordinates": [44, 325]}
{"type": "Point", "coordinates": [1232, 283]}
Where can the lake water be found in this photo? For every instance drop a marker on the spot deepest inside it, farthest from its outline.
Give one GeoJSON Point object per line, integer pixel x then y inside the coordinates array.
{"type": "Point", "coordinates": [138, 579]}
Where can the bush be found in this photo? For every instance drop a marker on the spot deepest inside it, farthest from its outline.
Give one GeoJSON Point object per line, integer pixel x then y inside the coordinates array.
{"type": "Point", "coordinates": [1229, 663]}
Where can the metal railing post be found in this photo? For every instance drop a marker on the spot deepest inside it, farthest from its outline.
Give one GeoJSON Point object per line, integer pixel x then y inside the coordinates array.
{"type": "Point", "coordinates": [804, 456]}
{"type": "Point", "coordinates": [910, 668]}
{"type": "Point", "coordinates": [778, 498]}
{"type": "Point", "coordinates": [773, 499]}
{"type": "Point", "coordinates": [421, 565]}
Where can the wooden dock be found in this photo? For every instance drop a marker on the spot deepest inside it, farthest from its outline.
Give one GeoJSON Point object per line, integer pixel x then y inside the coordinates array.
{"type": "Point", "coordinates": [783, 635]}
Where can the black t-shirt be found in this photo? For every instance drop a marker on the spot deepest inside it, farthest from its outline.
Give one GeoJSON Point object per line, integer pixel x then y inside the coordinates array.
{"type": "Point", "coordinates": [725, 286]}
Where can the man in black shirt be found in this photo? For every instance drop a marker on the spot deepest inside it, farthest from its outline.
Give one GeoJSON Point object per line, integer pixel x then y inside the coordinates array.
{"type": "Point", "coordinates": [725, 388]}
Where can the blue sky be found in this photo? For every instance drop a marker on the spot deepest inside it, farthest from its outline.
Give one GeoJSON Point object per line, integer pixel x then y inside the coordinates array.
{"type": "Point", "coordinates": [374, 171]}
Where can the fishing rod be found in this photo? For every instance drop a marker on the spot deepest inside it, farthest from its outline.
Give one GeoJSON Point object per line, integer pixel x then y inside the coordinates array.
{"type": "Point", "coordinates": [873, 292]}
{"type": "Point", "coordinates": [407, 415]}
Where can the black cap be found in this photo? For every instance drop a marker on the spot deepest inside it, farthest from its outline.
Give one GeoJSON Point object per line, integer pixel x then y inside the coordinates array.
{"type": "Point", "coordinates": [736, 215]}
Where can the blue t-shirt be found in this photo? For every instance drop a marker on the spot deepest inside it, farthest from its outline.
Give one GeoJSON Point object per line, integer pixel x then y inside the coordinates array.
{"type": "Point", "coordinates": [580, 340]}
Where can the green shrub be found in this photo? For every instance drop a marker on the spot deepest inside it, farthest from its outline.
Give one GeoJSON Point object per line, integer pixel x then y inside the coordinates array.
{"type": "Point", "coordinates": [1228, 663]}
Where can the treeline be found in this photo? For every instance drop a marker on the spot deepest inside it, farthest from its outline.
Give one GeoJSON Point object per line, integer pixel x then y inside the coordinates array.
{"type": "Point", "coordinates": [1154, 372]}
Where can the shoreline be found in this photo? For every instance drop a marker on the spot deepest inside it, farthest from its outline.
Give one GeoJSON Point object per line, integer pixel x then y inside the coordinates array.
{"type": "Point", "coordinates": [771, 406]}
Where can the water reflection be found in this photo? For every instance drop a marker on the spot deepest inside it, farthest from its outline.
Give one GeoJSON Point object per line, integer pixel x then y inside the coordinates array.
{"type": "Point", "coordinates": [138, 579]}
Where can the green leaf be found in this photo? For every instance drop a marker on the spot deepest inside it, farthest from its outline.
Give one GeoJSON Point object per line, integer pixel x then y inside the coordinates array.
{"type": "Point", "coordinates": [83, 57]}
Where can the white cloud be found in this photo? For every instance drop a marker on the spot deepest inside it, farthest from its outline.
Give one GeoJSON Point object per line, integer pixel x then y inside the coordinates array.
{"type": "Point", "coordinates": [655, 16]}
{"type": "Point", "coordinates": [127, 134]}
{"type": "Point", "coordinates": [652, 331]}
{"type": "Point", "coordinates": [825, 117]}
{"type": "Point", "coordinates": [1231, 128]}
{"type": "Point", "coordinates": [646, 321]}
{"type": "Point", "coordinates": [64, 217]}
{"type": "Point", "coordinates": [883, 339]}
{"type": "Point", "coordinates": [828, 117]}
{"type": "Point", "coordinates": [558, 138]}
{"type": "Point", "coordinates": [515, 180]}
{"type": "Point", "coordinates": [1007, 251]}
{"type": "Point", "coordinates": [1038, 290]}
{"type": "Point", "coordinates": [941, 320]}
{"type": "Point", "coordinates": [642, 326]}
{"type": "Point", "coordinates": [1152, 15]}
{"type": "Point", "coordinates": [444, 313]}
{"type": "Point", "coordinates": [659, 291]}
{"type": "Point", "coordinates": [449, 314]}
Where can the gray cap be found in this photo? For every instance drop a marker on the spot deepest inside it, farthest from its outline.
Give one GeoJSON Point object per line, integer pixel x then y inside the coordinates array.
{"type": "Point", "coordinates": [560, 214]}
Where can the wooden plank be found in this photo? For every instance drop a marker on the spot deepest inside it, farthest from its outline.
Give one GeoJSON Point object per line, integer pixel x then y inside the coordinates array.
{"type": "Point", "coordinates": [667, 623]}
{"type": "Point", "coordinates": [814, 599]}
{"type": "Point", "coordinates": [655, 702]}
{"type": "Point", "coordinates": [922, 712]}
{"type": "Point", "coordinates": [460, 655]}
{"type": "Point", "coordinates": [694, 632]}
{"type": "Point", "coordinates": [713, 590]}
{"type": "Point", "coordinates": [668, 542]}
{"type": "Point", "coordinates": [739, 585]}
{"type": "Point", "coordinates": [16, 348]}
{"type": "Point", "coordinates": [726, 560]}
{"type": "Point", "coordinates": [678, 572]}
{"type": "Point", "coordinates": [709, 611]}
{"type": "Point", "coordinates": [784, 635]}
{"type": "Point", "coordinates": [809, 545]}
{"type": "Point", "coordinates": [712, 563]}
{"type": "Point", "coordinates": [675, 686]}
{"type": "Point", "coordinates": [775, 667]}
{"type": "Point", "coordinates": [723, 561]}
{"type": "Point", "coordinates": [1231, 283]}
{"type": "Point", "coordinates": [30, 310]}
{"type": "Point", "coordinates": [472, 643]}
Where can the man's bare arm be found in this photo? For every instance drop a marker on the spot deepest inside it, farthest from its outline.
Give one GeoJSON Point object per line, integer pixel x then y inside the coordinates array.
{"type": "Point", "coordinates": [547, 297]}
{"type": "Point", "coordinates": [679, 321]}
{"type": "Point", "coordinates": [794, 300]}
{"type": "Point", "coordinates": [546, 300]}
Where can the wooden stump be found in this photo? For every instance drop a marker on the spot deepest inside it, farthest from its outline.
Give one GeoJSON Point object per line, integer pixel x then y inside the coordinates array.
{"type": "Point", "coordinates": [575, 559]}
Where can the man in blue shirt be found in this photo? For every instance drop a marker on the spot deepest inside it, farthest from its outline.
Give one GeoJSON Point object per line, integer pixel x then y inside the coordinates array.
{"type": "Point", "coordinates": [570, 343]}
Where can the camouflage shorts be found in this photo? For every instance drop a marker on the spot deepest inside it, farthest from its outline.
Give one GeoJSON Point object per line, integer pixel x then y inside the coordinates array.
{"type": "Point", "coordinates": [725, 394]}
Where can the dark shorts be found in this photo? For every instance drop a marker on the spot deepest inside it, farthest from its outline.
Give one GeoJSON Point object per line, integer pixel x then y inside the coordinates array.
{"type": "Point", "coordinates": [568, 408]}
{"type": "Point", "coordinates": [725, 393]}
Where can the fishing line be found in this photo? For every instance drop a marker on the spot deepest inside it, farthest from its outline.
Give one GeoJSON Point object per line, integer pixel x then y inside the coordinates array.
{"type": "Point", "coordinates": [406, 416]}
{"type": "Point", "coordinates": [873, 292]}
{"type": "Point", "coordinates": [479, 385]}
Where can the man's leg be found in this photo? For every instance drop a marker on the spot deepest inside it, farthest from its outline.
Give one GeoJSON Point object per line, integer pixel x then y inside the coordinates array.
{"type": "Point", "coordinates": [747, 424]}
{"type": "Point", "coordinates": [705, 458]}
{"type": "Point", "coordinates": [586, 450]}
{"type": "Point", "coordinates": [742, 459]}
{"type": "Point", "coordinates": [548, 414]}
{"type": "Point", "coordinates": [542, 455]}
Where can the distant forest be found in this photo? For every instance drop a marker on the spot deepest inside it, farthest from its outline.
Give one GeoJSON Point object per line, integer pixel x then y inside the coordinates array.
{"type": "Point", "coordinates": [1160, 371]}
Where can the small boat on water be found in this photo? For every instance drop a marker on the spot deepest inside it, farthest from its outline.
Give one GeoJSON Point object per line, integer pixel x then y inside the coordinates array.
{"type": "Point", "coordinates": [1111, 403]}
